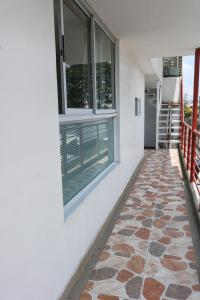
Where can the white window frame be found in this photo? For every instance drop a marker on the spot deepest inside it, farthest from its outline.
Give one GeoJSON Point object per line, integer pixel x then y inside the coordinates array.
{"type": "Point", "coordinates": [72, 115]}
{"type": "Point", "coordinates": [138, 108]}
{"type": "Point", "coordinates": [94, 20]}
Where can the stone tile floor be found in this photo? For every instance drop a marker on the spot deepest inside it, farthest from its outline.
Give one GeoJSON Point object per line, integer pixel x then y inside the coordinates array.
{"type": "Point", "coordinates": [149, 254]}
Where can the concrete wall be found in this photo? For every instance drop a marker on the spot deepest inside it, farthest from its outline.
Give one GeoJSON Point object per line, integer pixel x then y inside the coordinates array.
{"type": "Point", "coordinates": [157, 64]}
{"type": "Point", "coordinates": [39, 249]}
{"type": "Point", "coordinates": [171, 89]}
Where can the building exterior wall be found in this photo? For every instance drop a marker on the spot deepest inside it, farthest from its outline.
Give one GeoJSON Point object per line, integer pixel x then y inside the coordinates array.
{"type": "Point", "coordinates": [171, 89]}
{"type": "Point", "coordinates": [40, 250]}
{"type": "Point", "coordinates": [157, 64]}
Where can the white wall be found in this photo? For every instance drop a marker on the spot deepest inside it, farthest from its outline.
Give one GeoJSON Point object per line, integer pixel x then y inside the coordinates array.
{"type": "Point", "coordinates": [39, 250]}
{"type": "Point", "coordinates": [171, 89]}
{"type": "Point", "coordinates": [157, 64]}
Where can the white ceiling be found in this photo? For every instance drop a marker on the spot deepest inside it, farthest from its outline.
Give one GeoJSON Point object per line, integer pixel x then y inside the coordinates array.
{"type": "Point", "coordinates": [152, 28]}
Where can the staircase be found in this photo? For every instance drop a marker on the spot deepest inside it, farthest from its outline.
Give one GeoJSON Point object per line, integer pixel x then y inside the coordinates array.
{"type": "Point", "coordinates": [169, 125]}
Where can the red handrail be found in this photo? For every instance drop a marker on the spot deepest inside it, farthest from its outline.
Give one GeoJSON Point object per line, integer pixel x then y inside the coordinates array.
{"type": "Point", "coordinates": [192, 158]}
{"type": "Point", "coordinates": [196, 132]}
{"type": "Point", "coordinates": [186, 141]}
{"type": "Point", "coordinates": [187, 125]}
{"type": "Point", "coordinates": [189, 135]}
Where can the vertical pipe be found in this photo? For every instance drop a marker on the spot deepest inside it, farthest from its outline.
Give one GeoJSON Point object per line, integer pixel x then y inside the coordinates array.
{"type": "Point", "coordinates": [195, 112]}
{"type": "Point", "coordinates": [158, 87]}
{"type": "Point", "coordinates": [182, 112]}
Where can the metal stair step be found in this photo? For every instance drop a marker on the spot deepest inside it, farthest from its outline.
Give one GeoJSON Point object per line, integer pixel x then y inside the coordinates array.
{"type": "Point", "coordinates": [168, 133]}
{"type": "Point", "coordinates": [167, 127]}
{"type": "Point", "coordinates": [174, 121]}
{"type": "Point", "coordinates": [169, 115]}
{"type": "Point", "coordinates": [169, 141]}
{"type": "Point", "coordinates": [171, 109]}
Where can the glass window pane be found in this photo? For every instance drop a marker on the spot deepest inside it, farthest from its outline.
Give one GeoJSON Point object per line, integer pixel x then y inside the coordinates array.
{"type": "Point", "coordinates": [77, 56]}
{"type": "Point", "coordinates": [104, 53]}
{"type": "Point", "coordinates": [86, 150]}
{"type": "Point", "coordinates": [90, 143]}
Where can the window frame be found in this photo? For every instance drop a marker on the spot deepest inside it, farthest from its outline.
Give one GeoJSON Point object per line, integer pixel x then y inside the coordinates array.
{"type": "Point", "coordinates": [63, 109]}
{"type": "Point", "coordinates": [88, 124]}
{"type": "Point", "coordinates": [114, 42]}
{"type": "Point", "coordinates": [138, 107]}
{"type": "Point", "coordinates": [67, 116]}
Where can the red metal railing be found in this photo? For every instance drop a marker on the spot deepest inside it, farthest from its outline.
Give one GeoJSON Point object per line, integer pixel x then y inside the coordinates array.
{"type": "Point", "coordinates": [196, 160]}
{"type": "Point", "coordinates": [186, 143]}
{"type": "Point", "coordinates": [192, 159]}
{"type": "Point", "coordinates": [189, 135]}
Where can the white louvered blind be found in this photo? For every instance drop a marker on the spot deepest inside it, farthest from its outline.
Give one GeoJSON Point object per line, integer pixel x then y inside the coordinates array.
{"type": "Point", "coordinates": [86, 150]}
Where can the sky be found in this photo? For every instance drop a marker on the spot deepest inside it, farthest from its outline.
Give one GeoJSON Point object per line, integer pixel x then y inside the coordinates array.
{"type": "Point", "coordinates": [188, 75]}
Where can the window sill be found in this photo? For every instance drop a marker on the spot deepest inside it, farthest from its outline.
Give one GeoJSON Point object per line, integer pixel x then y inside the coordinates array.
{"type": "Point", "coordinates": [79, 198]}
{"type": "Point", "coordinates": [81, 118]}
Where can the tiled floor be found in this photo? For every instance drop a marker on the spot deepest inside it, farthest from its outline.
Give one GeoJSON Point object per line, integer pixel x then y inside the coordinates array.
{"type": "Point", "coordinates": [149, 254]}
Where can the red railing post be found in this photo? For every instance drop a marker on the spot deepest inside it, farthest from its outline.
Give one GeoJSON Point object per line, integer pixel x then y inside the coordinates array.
{"type": "Point", "coordinates": [183, 128]}
{"type": "Point", "coordinates": [188, 149]}
{"type": "Point", "coordinates": [195, 112]}
{"type": "Point", "coordinates": [182, 114]}
{"type": "Point", "coordinates": [184, 141]}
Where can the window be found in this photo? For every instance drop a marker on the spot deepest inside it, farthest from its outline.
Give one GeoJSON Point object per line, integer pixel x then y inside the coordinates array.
{"type": "Point", "coordinates": [86, 87]}
{"type": "Point", "coordinates": [77, 58]}
{"type": "Point", "coordinates": [172, 66]}
{"type": "Point", "coordinates": [104, 53]}
{"type": "Point", "coordinates": [137, 106]}
{"type": "Point", "coordinates": [86, 150]}
{"type": "Point", "coordinates": [88, 59]}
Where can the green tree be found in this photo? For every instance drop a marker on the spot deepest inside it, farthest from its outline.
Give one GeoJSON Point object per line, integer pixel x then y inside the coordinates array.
{"type": "Point", "coordinates": [188, 114]}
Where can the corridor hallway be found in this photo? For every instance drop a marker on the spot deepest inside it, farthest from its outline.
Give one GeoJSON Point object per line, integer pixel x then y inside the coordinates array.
{"type": "Point", "coordinates": [149, 254]}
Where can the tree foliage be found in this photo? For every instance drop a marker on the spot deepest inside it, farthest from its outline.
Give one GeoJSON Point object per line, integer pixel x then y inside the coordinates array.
{"type": "Point", "coordinates": [79, 83]}
{"type": "Point", "coordinates": [188, 114]}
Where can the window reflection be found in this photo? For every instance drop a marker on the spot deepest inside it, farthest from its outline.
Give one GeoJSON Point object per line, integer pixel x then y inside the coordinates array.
{"type": "Point", "coordinates": [104, 53]}
{"type": "Point", "coordinates": [77, 56]}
